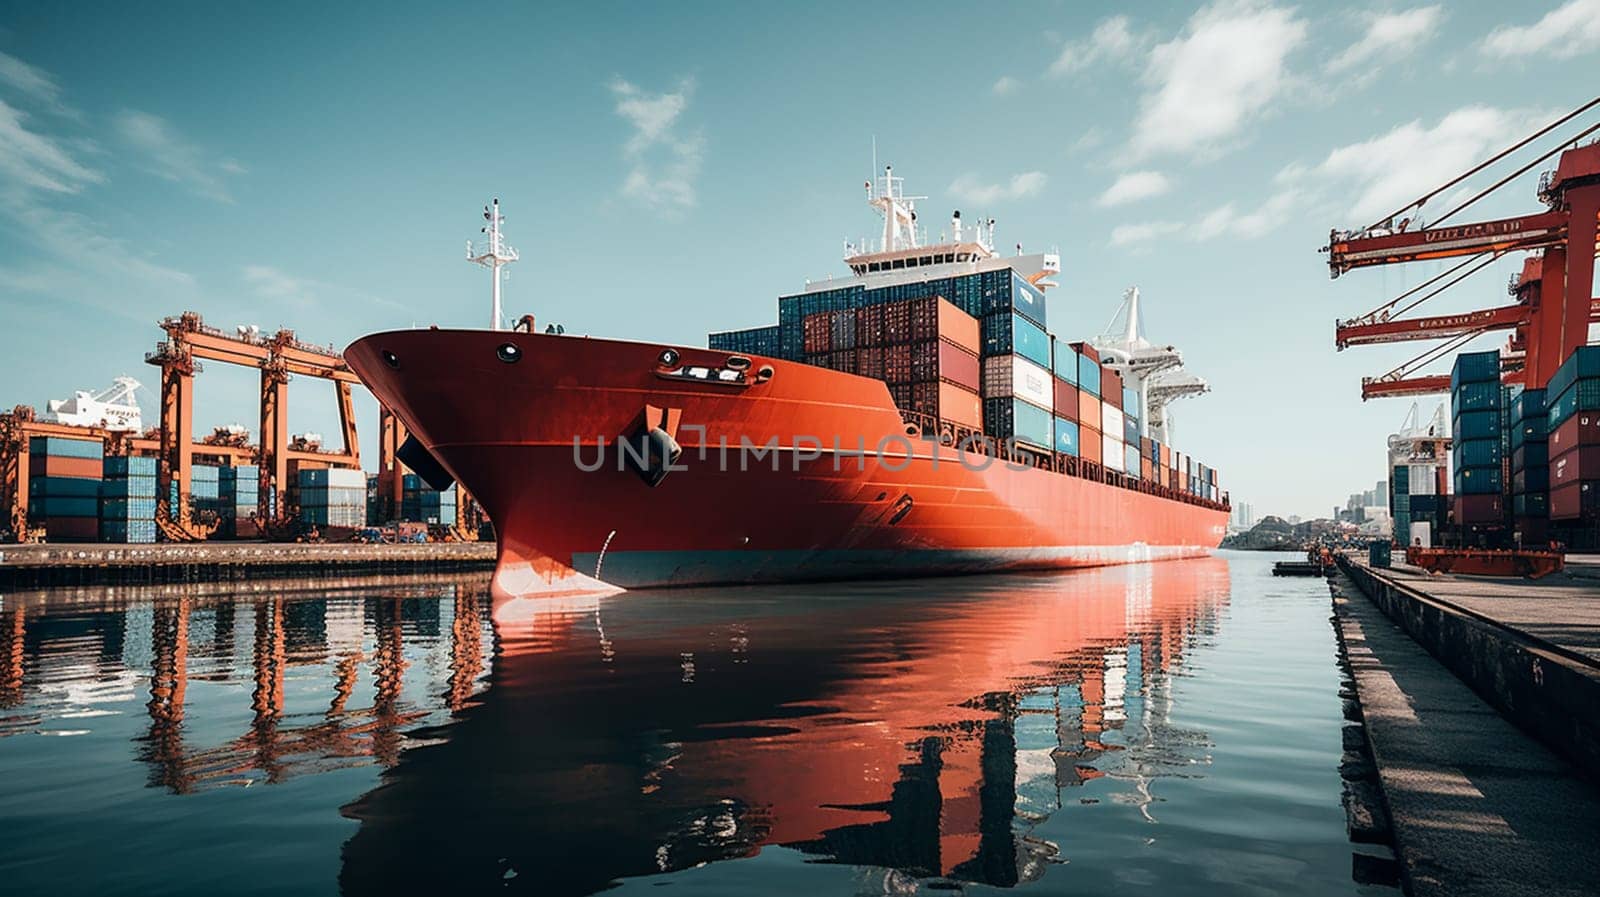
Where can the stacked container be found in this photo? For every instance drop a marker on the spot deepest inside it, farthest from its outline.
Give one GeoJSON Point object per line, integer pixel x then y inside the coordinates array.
{"type": "Point", "coordinates": [1064, 365]}
{"type": "Point", "coordinates": [755, 341]}
{"type": "Point", "coordinates": [1477, 449]}
{"type": "Point", "coordinates": [1573, 419]}
{"type": "Point", "coordinates": [239, 491]}
{"type": "Point", "coordinates": [333, 497]}
{"type": "Point", "coordinates": [421, 503]}
{"type": "Point", "coordinates": [128, 499]}
{"type": "Point", "coordinates": [64, 487]}
{"type": "Point", "coordinates": [1091, 437]}
{"type": "Point", "coordinates": [1530, 460]}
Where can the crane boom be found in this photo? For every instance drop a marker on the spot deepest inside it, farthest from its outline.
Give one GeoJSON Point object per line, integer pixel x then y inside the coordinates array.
{"type": "Point", "coordinates": [1384, 388]}
{"type": "Point", "coordinates": [1366, 332]}
{"type": "Point", "coordinates": [1347, 251]}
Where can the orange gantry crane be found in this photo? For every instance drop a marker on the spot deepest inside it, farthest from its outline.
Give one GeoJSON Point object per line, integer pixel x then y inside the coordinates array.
{"type": "Point", "coordinates": [1555, 291]}
{"type": "Point", "coordinates": [16, 428]}
{"type": "Point", "coordinates": [278, 357]}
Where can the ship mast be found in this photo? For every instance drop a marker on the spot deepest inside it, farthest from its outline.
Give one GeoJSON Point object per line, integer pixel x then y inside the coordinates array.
{"type": "Point", "coordinates": [493, 254]}
{"type": "Point", "coordinates": [898, 210]}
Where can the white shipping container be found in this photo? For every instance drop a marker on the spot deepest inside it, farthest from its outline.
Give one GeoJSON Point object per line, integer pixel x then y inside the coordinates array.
{"type": "Point", "coordinates": [1012, 375]}
{"type": "Point", "coordinates": [1422, 534]}
{"type": "Point", "coordinates": [1111, 451]}
{"type": "Point", "coordinates": [1111, 419]}
{"type": "Point", "coordinates": [1421, 480]}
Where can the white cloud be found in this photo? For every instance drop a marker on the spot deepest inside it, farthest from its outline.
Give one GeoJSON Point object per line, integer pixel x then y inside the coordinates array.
{"type": "Point", "coordinates": [1005, 86]}
{"type": "Point", "coordinates": [1379, 175]}
{"type": "Point", "coordinates": [1134, 186]}
{"type": "Point", "coordinates": [969, 189]}
{"type": "Point", "coordinates": [32, 161]}
{"type": "Point", "coordinates": [1225, 70]}
{"type": "Point", "coordinates": [278, 286]}
{"type": "Point", "coordinates": [165, 154]}
{"type": "Point", "coordinates": [1227, 220]}
{"type": "Point", "coordinates": [664, 165]}
{"type": "Point", "coordinates": [1134, 234]}
{"type": "Point", "coordinates": [1388, 35]}
{"type": "Point", "coordinates": [1563, 33]}
{"type": "Point", "coordinates": [1111, 41]}
{"type": "Point", "coordinates": [34, 83]}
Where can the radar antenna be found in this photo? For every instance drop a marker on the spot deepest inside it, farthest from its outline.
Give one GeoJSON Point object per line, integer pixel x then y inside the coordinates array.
{"type": "Point", "coordinates": [492, 253]}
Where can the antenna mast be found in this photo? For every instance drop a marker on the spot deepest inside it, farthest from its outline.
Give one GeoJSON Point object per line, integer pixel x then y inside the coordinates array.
{"type": "Point", "coordinates": [493, 254]}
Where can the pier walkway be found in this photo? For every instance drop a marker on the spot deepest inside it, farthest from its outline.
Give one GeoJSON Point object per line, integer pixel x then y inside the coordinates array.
{"type": "Point", "coordinates": [1477, 806]}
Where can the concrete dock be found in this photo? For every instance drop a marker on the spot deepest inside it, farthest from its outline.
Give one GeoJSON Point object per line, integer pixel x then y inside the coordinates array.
{"type": "Point", "coordinates": [48, 566]}
{"type": "Point", "coordinates": [1480, 701]}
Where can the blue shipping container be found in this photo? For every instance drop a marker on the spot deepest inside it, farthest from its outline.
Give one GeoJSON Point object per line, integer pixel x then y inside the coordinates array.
{"type": "Point", "coordinates": [1027, 300]}
{"type": "Point", "coordinates": [1479, 481]}
{"type": "Point", "coordinates": [1005, 334]}
{"type": "Point", "coordinates": [58, 506]}
{"type": "Point", "coordinates": [1130, 461]}
{"type": "Point", "coordinates": [124, 465]}
{"type": "Point", "coordinates": [62, 447]}
{"type": "Point", "coordinates": [1583, 364]}
{"type": "Point", "coordinates": [128, 487]}
{"type": "Point", "coordinates": [1130, 401]}
{"type": "Point", "coordinates": [1478, 425]}
{"type": "Point", "coordinates": [1481, 396]}
{"type": "Point", "coordinates": [1015, 418]}
{"type": "Point", "coordinates": [1088, 375]}
{"type": "Point", "coordinates": [1065, 363]}
{"type": "Point", "coordinates": [1475, 367]}
{"type": "Point", "coordinates": [1477, 453]}
{"type": "Point", "coordinates": [64, 487]}
{"type": "Point", "coordinates": [1066, 436]}
{"type": "Point", "coordinates": [1130, 430]}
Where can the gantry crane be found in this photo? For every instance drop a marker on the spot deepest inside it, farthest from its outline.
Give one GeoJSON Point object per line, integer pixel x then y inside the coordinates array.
{"type": "Point", "coordinates": [16, 428]}
{"type": "Point", "coordinates": [1555, 292]}
{"type": "Point", "coordinates": [189, 340]}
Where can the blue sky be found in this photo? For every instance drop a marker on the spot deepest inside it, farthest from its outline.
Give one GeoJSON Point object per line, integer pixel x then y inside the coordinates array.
{"type": "Point", "coordinates": [671, 171]}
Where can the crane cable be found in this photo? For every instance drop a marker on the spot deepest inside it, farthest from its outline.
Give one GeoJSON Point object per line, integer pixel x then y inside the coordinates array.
{"type": "Point", "coordinates": [1490, 161]}
{"type": "Point", "coordinates": [1432, 354]}
{"type": "Point", "coordinates": [1372, 316]}
{"type": "Point", "coordinates": [1492, 258]}
{"type": "Point", "coordinates": [1518, 173]}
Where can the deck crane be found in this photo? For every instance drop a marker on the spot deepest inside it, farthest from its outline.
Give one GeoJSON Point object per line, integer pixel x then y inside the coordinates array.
{"type": "Point", "coordinates": [1148, 368]}
{"type": "Point", "coordinates": [1555, 292]}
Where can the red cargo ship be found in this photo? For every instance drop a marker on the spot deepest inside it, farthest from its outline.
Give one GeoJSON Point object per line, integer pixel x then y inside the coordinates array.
{"type": "Point", "coordinates": [607, 464]}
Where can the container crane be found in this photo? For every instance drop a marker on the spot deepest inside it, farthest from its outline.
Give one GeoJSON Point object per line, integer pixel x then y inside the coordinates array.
{"type": "Point", "coordinates": [189, 340]}
{"type": "Point", "coordinates": [1145, 366]}
{"type": "Point", "coordinates": [1555, 293]}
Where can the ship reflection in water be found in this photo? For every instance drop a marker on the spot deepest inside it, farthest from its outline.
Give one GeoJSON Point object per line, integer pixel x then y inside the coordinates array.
{"type": "Point", "coordinates": [878, 737]}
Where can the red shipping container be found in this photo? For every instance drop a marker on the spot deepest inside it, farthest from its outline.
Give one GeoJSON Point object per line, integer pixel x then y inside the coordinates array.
{"type": "Point", "coordinates": [959, 366]}
{"type": "Point", "coordinates": [62, 466]}
{"type": "Point", "coordinates": [1166, 456]}
{"type": "Point", "coordinates": [1088, 411]}
{"type": "Point", "coordinates": [1066, 403]}
{"type": "Point", "coordinates": [869, 326]}
{"type": "Point", "coordinates": [1090, 443]}
{"type": "Point", "coordinates": [817, 332]}
{"type": "Point", "coordinates": [897, 364]}
{"type": "Point", "coordinates": [1111, 387]}
{"type": "Point", "coordinates": [843, 360]}
{"type": "Point", "coordinates": [948, 402]}
{"type": "Point", "coordinates": [1086, 349]}
{"type": "Point", "coordinates": [1144, 468]}
{"type": "Point", "coordinates": [1579, 463]}
{"type": "Point", "coordinates": [1479, 509]}
{"type": "Point", "coordinates": [935, 318]}
{"type": "Point", "coordinates": [1575, 499]}
{"type": "Point", "coordinates": [897, 323]}
{"type": "Point", "coordinates": [901, 393]}
{"type": "Point", "coordinates": [1582, 428]}
{"type": "Point", "coordinates": [869, 362]}
{"type": "Point", "coordinates": [72, 529]}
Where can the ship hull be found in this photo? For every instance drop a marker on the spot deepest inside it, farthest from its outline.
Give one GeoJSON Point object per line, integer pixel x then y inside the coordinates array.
{"type": "Point", "coordinates": [802, 474]}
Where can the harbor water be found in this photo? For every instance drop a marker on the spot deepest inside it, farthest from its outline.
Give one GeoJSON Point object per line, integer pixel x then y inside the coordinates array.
{"type": "Point", "coordinates": [1163, 729]}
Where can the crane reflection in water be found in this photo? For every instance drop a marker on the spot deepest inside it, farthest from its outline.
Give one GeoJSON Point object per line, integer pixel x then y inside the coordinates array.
{"type": "Point", "coordinates": [930, 729]}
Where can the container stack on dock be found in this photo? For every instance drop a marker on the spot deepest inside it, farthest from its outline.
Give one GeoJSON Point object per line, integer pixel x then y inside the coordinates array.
{"type": "Point", "coordinates": [333, 496]}
{"type": "Point", "coordinates": [64, 487]}
{"type": "Point", "coordinates": [1477, 416]}
{"type": "Point", "coordinates": [128, 500]}
{"type": "Point", "coordinates": [239, 491]}
{"type": "Point", "coordinates": [422, 503]}
{"type": "Point", "coordinates": [1573, 419]}
{"type": "Point", "coordinates": [1530, 465]}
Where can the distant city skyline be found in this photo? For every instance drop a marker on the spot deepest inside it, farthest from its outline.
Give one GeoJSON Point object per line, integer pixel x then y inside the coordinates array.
{"type": "Point", "coordinates": [320, 168]}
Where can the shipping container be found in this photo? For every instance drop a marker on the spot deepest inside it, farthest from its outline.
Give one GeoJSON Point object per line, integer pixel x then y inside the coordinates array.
{"type": "Point", "coordinates": [66, 447]}
{"type": "Point", "coordinates": [870, 325]}
{"type": "Point", "coordinates": [1531, 504]}
{"type": "Point", "coordinates": [1577, 463]}
{"type": "Point", "coordinates": [933, 360]}
{"type": "Point", "coordinates": [842, 329]}
{"type": "Point", "coordinates": [1089, 406]}
{"type": "Point", "coordinates": [1086, 350]}
{"type": "Point", "coordinates": [818, 333]}
{"type": "Point", "coordinates": [1111, 387]}
{"type": "Point", "coordinates": [128, 487]}
{"type": "Point", "coordinates": [82, 528]}
{"type": "Point", "coordinates": [1475, 367]}
{"type": "Point", "coordinates": [1014, 375]}
{"type": "Point", "coordinates": [1066, 436]}
{"type": "Point", "coordinates": [1111, 452]}
{"type": "Point", "coordinates": [933, 317]}
{"type": "Point", "coordinates": [128, 465]}
{"type": "Point", "coordinates": [64, 487]}
{"type": "Point", "coordinates": [1088, 374]}
{"type": "Point", "coordinates": [1533, 479]}
{"type": "Point", "coordinates": [1008, 418]}
{"type": "Point", "coordinates": [1111, 420]}
{"type": "Point", "coordinates": [1064, 363]}
{"type": "Point", "coordinates": [1066, 400]}
{"type": "Point", "coordinates": [1583, 364]}
{"type": "Point", "coordinates": [1477, 425]}
{"type": "Point", "coordinates": [1130, 401]}
{"type": "Point", "coordinates": [948, 401]}
{"type": "Point", "coordinates": [754, 341]}
{"type": "Point", "coordinates": [64, 466]}
{"type": "Point", "coordinates": [1483, 396]}
{"type": "Point", "coordinates": [334, 477]}
{"type": "Point", "coordinates": [1131, 460]}
{"type": "Point", "coordinates": [1478, 453]}
{"type": "Point", "coordinates": [1582, 396]}
{"type": "Point", "coordinates": [1479, 481]}
{"type": "Point", "coordinates": [1010, 334]}
{"type": "Point", "coordinates": [1027, 300]}
{"type": "Point", "coordinates": [1130, 429]}
{"type": "Point", "coordinates": [1528, 405]}
{"type": "Point", "coordinates": [1089, 443]}
{"type": "Point", "coordinates": [1576, 499]}
{"type": "Point", "coordinates": [1533, 454]}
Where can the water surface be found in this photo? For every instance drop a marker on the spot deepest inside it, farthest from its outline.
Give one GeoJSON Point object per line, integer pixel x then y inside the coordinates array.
{"type": "Point", "coordinates": [1165, 729]}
